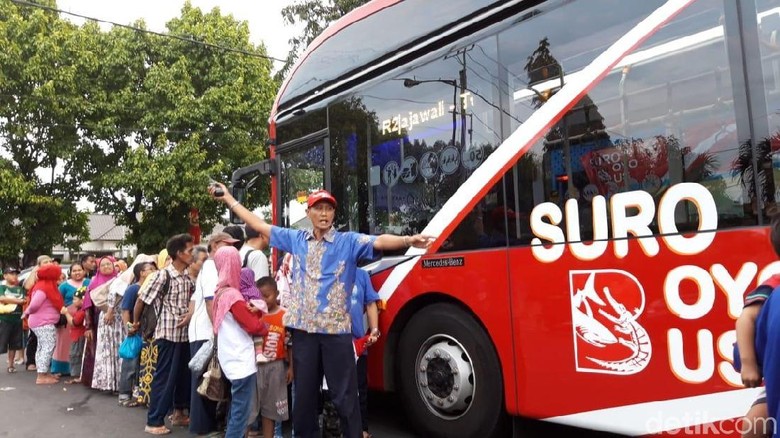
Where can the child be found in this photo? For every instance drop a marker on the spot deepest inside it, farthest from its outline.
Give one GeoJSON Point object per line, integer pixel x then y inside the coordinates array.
{"type": "Point", "coordinates": [76, 316]}
{"type": "Point", "coordinates": [11, 331]}
{"type": "Point", "coordinates": [746, 337]}
{"type": "Point", "coordinates": [256, 305]}
{"type": "Point", "coordinates": [272, 375]}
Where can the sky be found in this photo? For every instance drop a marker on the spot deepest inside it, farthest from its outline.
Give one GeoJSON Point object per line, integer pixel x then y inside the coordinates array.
{"type": "Point", "coordinates": [263, 16]}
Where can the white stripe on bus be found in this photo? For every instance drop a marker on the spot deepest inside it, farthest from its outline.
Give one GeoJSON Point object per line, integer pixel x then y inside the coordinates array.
{"type": "Point", "coordinates": [672, 416]}
{"type": "Point", "coordinates": [486, 175]}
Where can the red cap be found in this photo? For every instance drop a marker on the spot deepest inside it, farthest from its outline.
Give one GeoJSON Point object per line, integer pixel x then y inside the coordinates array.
{"type": "Point", "coordinates": [320, 195]}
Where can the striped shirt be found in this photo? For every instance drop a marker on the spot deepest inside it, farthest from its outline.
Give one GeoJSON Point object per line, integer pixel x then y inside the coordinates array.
{"type": "Point", "coordinates": [760, 294]}
{"type": "Point", "coordinates": [175, 302]}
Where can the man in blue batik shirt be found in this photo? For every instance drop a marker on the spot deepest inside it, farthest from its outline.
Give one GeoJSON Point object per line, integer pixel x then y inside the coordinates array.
{"type": "Point", "coordinates": [325, 265]}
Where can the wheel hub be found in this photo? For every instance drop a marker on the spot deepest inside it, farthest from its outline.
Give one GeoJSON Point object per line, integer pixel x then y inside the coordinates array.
{"type": "Point", "coordinates": [445, 377]}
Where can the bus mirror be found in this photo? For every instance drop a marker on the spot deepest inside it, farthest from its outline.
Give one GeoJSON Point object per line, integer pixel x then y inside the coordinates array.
{"type": "Point", "coordinates": [239, 193]}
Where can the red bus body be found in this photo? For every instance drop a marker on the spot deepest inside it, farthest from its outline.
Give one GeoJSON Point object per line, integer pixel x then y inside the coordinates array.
{"type": "Point", "coordinates": [632, 333]}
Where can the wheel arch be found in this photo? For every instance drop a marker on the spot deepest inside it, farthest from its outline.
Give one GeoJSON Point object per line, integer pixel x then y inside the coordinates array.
{"type": "Point", "coordinates": [405, 315]}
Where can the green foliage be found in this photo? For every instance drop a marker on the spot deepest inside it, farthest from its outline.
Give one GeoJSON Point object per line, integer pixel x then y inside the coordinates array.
{"type": "Point", "coordinates": [134, 122]}
{"type": "Point", "coordinates": [39, 107]}
{"type": "Point", "coordinates": [167, 115]}
{"type": "Point", "coordinates": [316, 15]}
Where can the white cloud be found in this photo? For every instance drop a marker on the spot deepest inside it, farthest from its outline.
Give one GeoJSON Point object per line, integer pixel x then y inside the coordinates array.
{"type": "Point", "coordinates": [263, 17]}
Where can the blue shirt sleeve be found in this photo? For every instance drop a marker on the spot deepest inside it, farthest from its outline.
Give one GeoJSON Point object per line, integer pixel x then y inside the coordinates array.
{"type": "Point", "coordinates": [362, 246]}
{"type": "Point", "coordinates": [128, 299]}
{"type": "Point", "coordinates": [283, 238]}
{"type": "Point", "coordinates": [370, 295]}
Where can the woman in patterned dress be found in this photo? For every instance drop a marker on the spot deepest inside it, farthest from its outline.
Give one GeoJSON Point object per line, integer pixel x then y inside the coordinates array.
{"type": "Point", "coordinates": [106, 273]}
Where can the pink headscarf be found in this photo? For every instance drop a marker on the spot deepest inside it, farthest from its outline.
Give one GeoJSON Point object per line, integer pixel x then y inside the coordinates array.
{"type": "Point", "coordinates": [228, 263]}
{"type": "Point", "coordinates": [99, 280]}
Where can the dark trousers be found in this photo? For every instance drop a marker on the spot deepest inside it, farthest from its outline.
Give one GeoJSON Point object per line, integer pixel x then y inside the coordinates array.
{"type": "Point", "coordinates": [171, 382]}
{"type": "Point", "coordinates": [32, 347]}
{"type": "Point", "coordinates": [203, 412]}
{"type": "Point", "coordinates": [333, 355]}
{"type": "Point", "coordinates": [362, 383]}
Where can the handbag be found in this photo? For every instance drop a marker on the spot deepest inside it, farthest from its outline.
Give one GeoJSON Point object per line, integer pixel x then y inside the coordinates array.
{"type": "Point", "coordinates": [151, 313]}
{"type": "Point", "coordinates": [7, 308]}
{"type": "Point", "coordinates": [214, 385]}
{"type": "Point", "coordinates": [131, 347]}
{"type": "Point", "coordinates": [202, 357]}
{"type": "Point", "coordinates": [99, 296]}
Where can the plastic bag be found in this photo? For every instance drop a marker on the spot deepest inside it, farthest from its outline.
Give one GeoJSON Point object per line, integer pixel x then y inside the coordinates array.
{"type": "Point", "coordinates": [131, 347]}
{"type": "Point", "coordinates": [202, 357]}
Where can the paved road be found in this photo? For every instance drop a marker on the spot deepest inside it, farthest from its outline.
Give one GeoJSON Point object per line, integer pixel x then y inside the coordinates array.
{"type": "Point", "coordinates": [29, 410]}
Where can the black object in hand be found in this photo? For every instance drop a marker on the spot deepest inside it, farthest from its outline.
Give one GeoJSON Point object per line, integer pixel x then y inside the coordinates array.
{"type": "Point", "coordinates": [218, 192]}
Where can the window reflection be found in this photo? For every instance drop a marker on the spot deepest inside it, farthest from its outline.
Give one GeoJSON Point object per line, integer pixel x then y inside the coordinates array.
{"type": "Point", "coordinates": [768, 144]}
{"type": "Point", "coordinates": [432, 128]}
{"type": "Point", "coordinates": [302, 172]}
{"type": "Point", "coordinates": [664, 115]}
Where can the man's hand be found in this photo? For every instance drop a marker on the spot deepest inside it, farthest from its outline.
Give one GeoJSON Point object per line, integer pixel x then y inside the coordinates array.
{"type": "Point", "coordinates": [420, 241]}
{"type": "Point", "coordinates": [751, 376]}
{"type": "Point", "coordinates": [373, 337]}
{"type": "Point", "coordinates": [184, 320]}
{"type": "Point", "coordinates": [133, 328]}
{"type": "Point", "coordinates": [290, 374]}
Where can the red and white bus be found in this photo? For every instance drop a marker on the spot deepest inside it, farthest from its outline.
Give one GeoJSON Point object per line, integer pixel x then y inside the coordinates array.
{"type": "Point", "coordinates": [597, 175]}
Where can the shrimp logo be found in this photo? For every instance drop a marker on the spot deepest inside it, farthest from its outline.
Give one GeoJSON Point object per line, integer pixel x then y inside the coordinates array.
{"type": "Point", "coordinates": [605, 305]}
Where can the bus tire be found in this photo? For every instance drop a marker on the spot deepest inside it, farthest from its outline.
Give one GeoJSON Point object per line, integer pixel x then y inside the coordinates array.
{"type": "Point", "coordinates": [450, 376]}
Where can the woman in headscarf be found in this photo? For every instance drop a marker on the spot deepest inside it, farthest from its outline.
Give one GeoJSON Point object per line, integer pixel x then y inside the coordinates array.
{"type": "Point", "coordinates": [148, 358]}
{"type": "Point", "coordinates": [46, 306]}
{"type": "Point", "coordinates": [111, 330]}
{"type": "Point", "coordinates": [60, 364]}
{"type": "Point", "coordinates": [234, 326]}
{"type": "Point", "coordinates": [106, 273]}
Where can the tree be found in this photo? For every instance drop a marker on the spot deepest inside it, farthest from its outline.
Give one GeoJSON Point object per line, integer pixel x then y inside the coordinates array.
{"type": "Point", "coordinates": [167, 114]}
{"type": "Point", "coordinates": [39, 106]}
{"type": "Point", "coordinates": [316, 15]}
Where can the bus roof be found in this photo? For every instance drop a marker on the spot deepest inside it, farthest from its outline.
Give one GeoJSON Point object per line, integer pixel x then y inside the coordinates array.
{"type": "Point", "coordinates": [367, 35]}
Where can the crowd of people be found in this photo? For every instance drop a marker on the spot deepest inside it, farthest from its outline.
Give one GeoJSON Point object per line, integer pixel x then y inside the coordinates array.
{"type": "Point", "coordinates": [300, 332]}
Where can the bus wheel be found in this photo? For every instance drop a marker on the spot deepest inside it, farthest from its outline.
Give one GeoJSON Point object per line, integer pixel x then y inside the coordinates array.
{"type": "Point", "coordinates": [450, 377]}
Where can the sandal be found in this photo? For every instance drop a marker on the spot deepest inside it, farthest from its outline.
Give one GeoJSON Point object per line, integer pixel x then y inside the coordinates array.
{"type": "Point", "coordinates": [159, 430]}
{"type": "Point", "coordinates": [129, 403]}
{"type": "Point", "coordinates": [11, 370]}
{"type": "Point", "coordinates": [181, 421]}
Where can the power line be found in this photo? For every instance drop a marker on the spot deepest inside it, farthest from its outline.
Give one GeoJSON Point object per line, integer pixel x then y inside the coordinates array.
{"type": "Point", "coordinates": [160, 34]}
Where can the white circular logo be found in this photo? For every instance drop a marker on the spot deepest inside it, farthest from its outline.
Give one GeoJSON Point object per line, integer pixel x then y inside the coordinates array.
{"type": "Point", "coordinates": [409, 170]}
{"type": "Point", "coordinates": [390, 173]}
{"type": "Point", "coordinates": [449, 160]}
{"type": "Point", "coordinates": [472, 157]}
{"type": "Point", "coordinates": [429, 165]}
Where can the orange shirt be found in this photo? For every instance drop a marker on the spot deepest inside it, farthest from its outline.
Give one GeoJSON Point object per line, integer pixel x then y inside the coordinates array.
{"type": "Point", "coordinates": [274, 343]}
